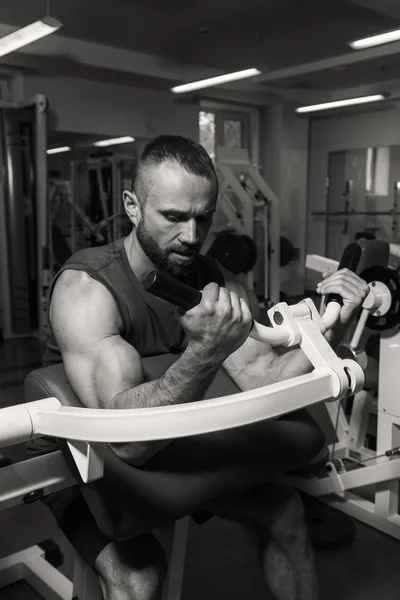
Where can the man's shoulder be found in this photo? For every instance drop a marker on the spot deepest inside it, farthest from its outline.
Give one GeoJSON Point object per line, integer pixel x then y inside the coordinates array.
{"type": "Point", "coordinates": [96, 257]}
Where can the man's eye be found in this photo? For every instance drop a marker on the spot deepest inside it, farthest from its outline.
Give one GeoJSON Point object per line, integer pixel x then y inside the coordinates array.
{"type": "Point", "coordinates": [173, 219]}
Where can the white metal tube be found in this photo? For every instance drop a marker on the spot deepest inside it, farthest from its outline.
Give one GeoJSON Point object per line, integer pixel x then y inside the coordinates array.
{"type": "Point", "coordinates": [331, 314]}
{"type": "Point", "coordinates": [102, 425]}
{"type": "Point", "coordinates": [15, 425]}
{"type": "Point", "coordinates": [49, 472]}
{"type": "Point", "coordinates": [269, 335]}
{"type": "Point", "coordinates": [16, 422]}
{"type": "Point", "coordinates": [300, 310]}
{"type": "Point", "coordinates": [321, 264]}
{"type": "Point", "coordinates": [362, 321]}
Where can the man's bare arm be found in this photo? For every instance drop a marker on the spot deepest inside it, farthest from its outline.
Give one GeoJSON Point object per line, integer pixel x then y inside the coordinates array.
{"type": "Point", "coordinates": [105, 371]}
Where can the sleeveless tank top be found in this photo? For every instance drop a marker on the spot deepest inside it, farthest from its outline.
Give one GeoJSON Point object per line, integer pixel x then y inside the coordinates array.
{"type": "Point", "coordinates": [148, 323]}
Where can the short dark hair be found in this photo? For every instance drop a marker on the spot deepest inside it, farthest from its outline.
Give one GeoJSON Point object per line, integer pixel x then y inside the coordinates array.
{"type": "Point", "coordinates": [189, 154]}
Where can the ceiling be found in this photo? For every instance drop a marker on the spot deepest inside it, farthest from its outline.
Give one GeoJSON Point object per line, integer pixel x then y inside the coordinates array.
{"type": "Point", "coordinates": [230, 34]}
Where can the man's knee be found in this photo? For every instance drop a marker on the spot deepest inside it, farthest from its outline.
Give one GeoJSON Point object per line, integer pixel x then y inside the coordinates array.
{"type": "Point", "coordinates": [139, 566]}
{"type": "Point", "coordinates": [284, 519]}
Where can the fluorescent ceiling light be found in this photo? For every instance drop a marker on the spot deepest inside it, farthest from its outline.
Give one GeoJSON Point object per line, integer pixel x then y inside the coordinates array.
{"type": "Point", "coordinates": [339, 103]}
{"type": "Point", "coordinates": [376, 40]}
{"type": "Point", "coordinates": [58, 150]}
{"type": "Point", "coordinates": [219, 80]}
{"type": "Point", "coordinates": [26, 35]}
{"type": "Point", "coordinates": [112, 142]}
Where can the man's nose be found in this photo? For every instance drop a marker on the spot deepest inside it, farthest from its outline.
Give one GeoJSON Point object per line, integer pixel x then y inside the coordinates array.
{"type": "Point", "coordinates": [189, 234]}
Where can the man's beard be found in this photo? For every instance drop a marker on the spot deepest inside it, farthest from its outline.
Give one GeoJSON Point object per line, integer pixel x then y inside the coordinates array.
{"type": "Point", "coordinates": [165, 260]}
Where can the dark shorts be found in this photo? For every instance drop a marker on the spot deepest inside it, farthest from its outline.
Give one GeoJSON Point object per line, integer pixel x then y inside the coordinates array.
{"type": "Point", "coordinates": [180, 480]}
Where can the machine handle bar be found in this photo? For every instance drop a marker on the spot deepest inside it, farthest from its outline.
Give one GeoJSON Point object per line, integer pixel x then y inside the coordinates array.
{"type": "Point", "coordinates": [185, 297]}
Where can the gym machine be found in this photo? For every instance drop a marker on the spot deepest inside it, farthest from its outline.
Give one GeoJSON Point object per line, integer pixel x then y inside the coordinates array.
{"type": "Point", "coordinates": [88, 210]}
{"type": "Point", "coordinates": [348, 214]}
{"type": "Point", "coordinates": [88, 431]}
{"type": "Point", "coordinates": [23, 217]}
{"type": "Point", "coordinates": [64, 243]}
{"type": "Point", "coordinates": [361, 476]}
{"type": "Point", "coordinates": [251, 244]}
{"type": "Point", "coordinates": [97, 185]}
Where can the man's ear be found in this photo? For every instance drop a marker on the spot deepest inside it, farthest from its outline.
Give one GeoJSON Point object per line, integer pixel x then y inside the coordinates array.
{"type": "Point", "coordinates": [132, 206]}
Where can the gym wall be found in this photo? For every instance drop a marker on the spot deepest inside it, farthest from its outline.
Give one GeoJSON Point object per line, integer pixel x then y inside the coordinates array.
{"type": "Point", "coordinates": [284, 156]}
{"type": "Point", "coordinates": [356, 129]}
{"type": "Point", "coordinates": [110, 109]}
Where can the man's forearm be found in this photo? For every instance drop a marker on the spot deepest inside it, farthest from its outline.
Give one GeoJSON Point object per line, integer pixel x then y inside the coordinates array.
{"type": "Point", "coordinates": [186, 380]}
{"type": "Point", "coordinates": [291, 363]}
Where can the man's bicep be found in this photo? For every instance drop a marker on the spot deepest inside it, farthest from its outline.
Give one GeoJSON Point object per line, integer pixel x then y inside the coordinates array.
{"type": "Point", "coordinates": [99, 374]}
{"type": "Point", "coordinates": [85, 322]}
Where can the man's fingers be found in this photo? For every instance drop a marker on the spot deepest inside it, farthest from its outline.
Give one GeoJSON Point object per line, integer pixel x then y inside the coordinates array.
{"type": "Point", "coordinates": [345, 278]}
{"type": "Point", "coordinates": [236, 307]}
{"type": "Point", "coordinates": [246, 312]}
{"type": "Point", "coordinates": [210, 296]}
{"type": "Point", "coordinates": [345, 290]}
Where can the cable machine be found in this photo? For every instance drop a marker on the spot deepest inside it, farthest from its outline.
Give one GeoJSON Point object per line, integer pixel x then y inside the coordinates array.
{"type": "Point", "coordinates": [250, 244]}
{"type": "Point", "coordinates": [23, 217]}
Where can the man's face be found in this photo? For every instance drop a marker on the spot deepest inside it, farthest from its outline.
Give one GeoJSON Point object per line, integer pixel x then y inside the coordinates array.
{"type": "Point", "coordinates": [176, 218]}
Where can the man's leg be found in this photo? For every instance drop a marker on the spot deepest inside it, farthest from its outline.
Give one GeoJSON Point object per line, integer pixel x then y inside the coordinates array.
{"type": "Point", "coordinates": [274, 512]}
{"type": "Point", "coordinates": [132, 570]}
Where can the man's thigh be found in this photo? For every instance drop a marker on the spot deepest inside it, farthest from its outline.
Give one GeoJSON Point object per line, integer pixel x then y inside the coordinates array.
{"type": "Point", "coordinates": [200, 468]}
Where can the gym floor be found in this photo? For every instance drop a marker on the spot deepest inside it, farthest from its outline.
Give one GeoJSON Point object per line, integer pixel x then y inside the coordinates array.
{"type": "Point", "coordinates": [220, 562]}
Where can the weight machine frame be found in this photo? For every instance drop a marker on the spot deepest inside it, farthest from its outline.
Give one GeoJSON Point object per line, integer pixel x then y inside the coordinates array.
{"type": "Point", "coordinates": [31, 479]}
{"type": "Point", "coordinates": [228, 161]}
{"type": "Point", "coordinates": [339, 488]}
{"type": "Point", "coordinates": [40, 103]}
{"type": "Point", "coordinates": [50, 473]}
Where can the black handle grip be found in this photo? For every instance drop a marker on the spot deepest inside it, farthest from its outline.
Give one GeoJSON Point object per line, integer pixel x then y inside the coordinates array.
{"type": "Point", "coordinates": [167, 288]}
{"type": "Point", "coordinates": [350, 259]}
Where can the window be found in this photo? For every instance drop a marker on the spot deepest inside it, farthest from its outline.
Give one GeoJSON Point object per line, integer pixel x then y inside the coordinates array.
{"type": "Point", "coordinates": [377, 171]}
{"type": "Point", "coordinates": [233, 134]}
{"type": "Point", "coordinates": [223, 128]}
{"type": "Point", "coordinates": [207, 132]}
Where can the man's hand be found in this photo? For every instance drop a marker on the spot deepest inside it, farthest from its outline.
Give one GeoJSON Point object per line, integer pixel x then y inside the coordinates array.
{"type": "Point", "coordinates": [220, 324]}
{"type": "Point", "coordinates": [349, 286]}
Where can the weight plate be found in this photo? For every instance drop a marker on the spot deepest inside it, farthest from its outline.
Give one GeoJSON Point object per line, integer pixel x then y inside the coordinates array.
{"type": "Point", "coordinates": [235, 252]}
{"type": "Point", "coordinates": [286, 250]}
{"type": "Point", "coordinates": [389, 277]}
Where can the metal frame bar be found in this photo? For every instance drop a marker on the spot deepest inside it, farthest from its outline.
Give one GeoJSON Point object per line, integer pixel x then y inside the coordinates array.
{"type": "Point", "coordinates": [48, 472]}
{"type": "Point", "coordinates": [31, 566]}
{"type": "Point", "coordinates": [40, 104]}
{"type": "Point", "coordinates": [383, 473]}
{"type": "Point", "coordinates": [115, 426]}
{"type": "Point", "coordinates": [42, 210]}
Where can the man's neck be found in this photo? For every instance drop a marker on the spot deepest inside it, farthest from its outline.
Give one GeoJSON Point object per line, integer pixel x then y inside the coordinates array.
{"type": "Point", "coordinates": [138, 261]}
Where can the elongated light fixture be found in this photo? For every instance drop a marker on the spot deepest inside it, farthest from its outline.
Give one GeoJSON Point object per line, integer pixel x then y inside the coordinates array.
{"type": "Point", "coordinates": [376, 40]}
{"type": "Point", "coordinates": [112, 142]}
{"type": "Point", "coordinates": [212, 81]}
{"type": "Point", "coordinates": [339, 103]}
{"type": "Point", "coordinates": [26, 35]}
{"type": "Point", "coordinates": [58, 150]}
